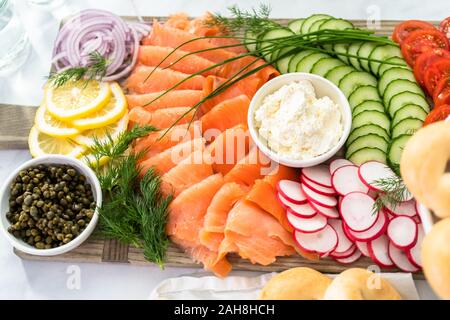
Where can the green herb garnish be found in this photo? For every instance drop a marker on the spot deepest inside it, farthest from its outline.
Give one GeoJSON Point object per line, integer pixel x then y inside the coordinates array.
{"type": "Point", "coordinates": [394, 192]}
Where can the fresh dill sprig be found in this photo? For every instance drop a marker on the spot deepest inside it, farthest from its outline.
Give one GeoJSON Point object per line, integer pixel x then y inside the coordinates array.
{"type": "Point", "coordinates": [394, 192]}
{"type": "Point", "coordinates": [96, 69]}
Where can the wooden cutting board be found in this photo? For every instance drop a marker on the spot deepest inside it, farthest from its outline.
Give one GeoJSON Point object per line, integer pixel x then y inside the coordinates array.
{"type": "Point", "coordinates": [16, 122]}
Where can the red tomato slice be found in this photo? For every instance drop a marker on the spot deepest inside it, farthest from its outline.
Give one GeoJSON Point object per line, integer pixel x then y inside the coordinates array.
{"type": "Point", "coordinates": [420, 41]}
{"type": "Point", "coordinates": [402, 30]}
{"type": "Point", "coordinates": [444, 26]}
{"type": "Point", "coordinates": [438, 114]}
{"type": "Point", "coordinates": [438, 70]}
{"type": "Point", "coordinates": [442, 93]}
{"type": "Point", "coordinates": [424, 60]}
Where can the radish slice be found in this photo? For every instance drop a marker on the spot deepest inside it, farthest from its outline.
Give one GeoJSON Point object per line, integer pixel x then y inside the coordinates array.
{"type": "Point", "coordinates": [374, 232]}
{"type": "Point", "coordinates": [344, 243]}
{"type": "Point", "coordinates": [372, 171]}
{"type": "Point", "coordinates": [413, 254]}
{"type": "Point", "coordinates": [338, 163]}
{"type": "Point", "coordinates": [292, 191]}
{"type": "Point", "coordinates": [323, 241]}
{"type": "Point", "coordinates": [317, 187]}
{"type": "Point", "coordinates": [379, 252]}
{"type": "Point", "coordinates": [362, 246]}
{"type": "Point", "coordinates": [320, 199]}
{"type": "Point", "coordinates": [302, 210]}
{"type": "Point", "coordinates": [318, 174]}
{"type": "Point", "coordinates": [344, 254]}
{"type": "Point", "coordinates": [402, 231]}
{"type": "Point", "coordinates": [357, 211]}
{"type": "Point", "coordinates": [346, 180]}
{"type": "Point", "coordinates": [373, 194]}
{"type": "Point", "coordinates": [327, 212]}
{"type": "Point", "coordinates": [398, 256]}
{"type": "Point", "coordinates": [354, 257]}
{"type": "Point", "coordinates": [285, 203]}
{"type": "Point", "coordinates": [308, 225]}
{"type": "Point", "coordinates": [405, 208]}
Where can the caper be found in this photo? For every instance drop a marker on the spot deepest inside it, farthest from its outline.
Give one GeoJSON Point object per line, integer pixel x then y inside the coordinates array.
{"type": "Point", "coordinates": [37, 238]}
{"type": "Point", "coordinates": [34, 211]}
{"type": "Point", "coordinates": [40, 245]}
{"type": "Point", "coordinates": [28, 200]}
{"type": "Point", "coordinates": [26, 179]}
{"type": "Point", "coordinates": [89, 214]}
{"type": "Point", "coordinates": [39, 203]}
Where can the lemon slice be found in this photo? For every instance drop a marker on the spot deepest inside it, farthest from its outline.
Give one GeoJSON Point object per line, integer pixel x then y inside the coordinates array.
{"type": "Point", "coordinates": [110, 113]}
{"type": "Point", "coordinates": [48, 124]}
{"type": "Point", "coordinates": [90, 160]}
{"type": "Point", "coordinates": [86, 138]}
{"type": "Point", "coordinates": [76, 99]}
{"type": "Point", "coordinates": [41, 144]}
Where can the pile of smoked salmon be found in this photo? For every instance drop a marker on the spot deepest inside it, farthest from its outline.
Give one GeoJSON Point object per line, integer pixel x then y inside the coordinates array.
{"type": "Point", "coordinates": [224, 189]}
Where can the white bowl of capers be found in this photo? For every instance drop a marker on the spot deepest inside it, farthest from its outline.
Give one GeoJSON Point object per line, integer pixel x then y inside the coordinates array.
{"type": "Point", "coordinates": [49, 205]}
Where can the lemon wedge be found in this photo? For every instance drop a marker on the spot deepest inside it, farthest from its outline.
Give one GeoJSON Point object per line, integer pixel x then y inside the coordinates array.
{"type": "Point", "coordinates": [110, 113]}
{"type": "Point", "coordinates": [41, 144]}
{"type": "Point", "coordinates": [76, 99]}
{"type": "Point", "coordinates": [87, 138]}
{"type": "Point", "coordinates": [48, 124]}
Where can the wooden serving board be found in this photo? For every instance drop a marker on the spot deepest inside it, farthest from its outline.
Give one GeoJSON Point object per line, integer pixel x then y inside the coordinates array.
{"type": "Point", "coordinates": [16, 122]}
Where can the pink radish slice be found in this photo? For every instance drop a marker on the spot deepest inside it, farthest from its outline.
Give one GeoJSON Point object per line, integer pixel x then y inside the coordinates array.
{"type": "Point", "coordinates": [338, 163]}
{"type": "Point", "coordinates": [344, 243]}
{"type": "Point", "coordinates": [413, 254]}
{"type": "Point", "coordinates": [362, 246]}
{"type": "Point", "coordinates": [346, 180]}
{"type": "Point", "coordinates": [321, 242]}
{"type": "Point", "coordinates": [354, 257]}
{"type": "Point", "coordinates": [318, 174]}
{"type": "Point", "coordinates": [379, 252]}
{"type": "Point", "coordinates": [357, 211]}
{"type": "Point", "coordinates": [292, 191]}
{"type": "Point", "coordinates": [302, 210]}
{"type": "Point", "coordinates": [320, 199]}
{"type": "Point", "coordinates": [402, 231]}
{"type": "Point", "coordinates": [398, 256]}
{"type": "Point", "coordinates": [372, 171]}
{"type": "Point", "coordinates": [405, 208]}
{"type": "Point", "coordinates": [345, 254]}
{"type": "Point", "coordinates": [374, 232]}
{"type": "Point", "coordinates": [285, 203]}
{"type": "Point", "coordinates": [317, 187]}
{"type": "Point", "coordinates": [327, 212]}
{"type": "Point", "coordinates": [307, 225]}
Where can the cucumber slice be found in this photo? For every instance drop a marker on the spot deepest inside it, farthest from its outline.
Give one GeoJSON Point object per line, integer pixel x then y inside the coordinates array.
{"type": "Point", "coordinates": [386, 66]}
{"type": "Point", "coordinates": [364, 52]}
{"type": "Point", "coordinates": [306, 64]}
{"type": "Point", "coordinates": [394, 74]}
{"type": "Point", "coordinates": [335, 75]}
{"type": "Point", "coordinates": [396, 149]}
{"type": "Point", "coordinates": [249, 38]}
{"type": "Point", "coordinates": [362, 94]}
{"type": "Point", "coordinates": [402, 99]}
{"type": "Point", "coordinates": [372, 117]}
{"type": "Point", "coordinates": [409, 111]}
{"type": "Point", "coordinates": [324, 65]}
{"type": "Point", "coordinates": [341, 48]}
{"type": "Point", "coordinates": [406, 126]}
{"type": "Point", "coordinates": [336, 24]}
{"type": "Point", "coordinates": [401, 85]}
{"type": "Point", "coordinates": [296, 25]}
{"type": "Point", "coordinates": [365, 130]}
{"type": "Point", "coordinates": [310, 21]}
{"type": "Point", "coordinates": [368, 105]}
{"type": "Point", "coordinates": [316, 25]}
{"type": "Point", "coordinates": [367, 154]}
{"type": "Point", "coordinates": [283, 63]}
{"type": "Point", "coordinates": [353, 50]}
{"type": "Point", "coordinates": [382, 53]}
{"type": "Point", "coordinates": [296, 58]}
{"type": "Point", "coordinates": [271, 35]}
{"type": "Point", "coordinates": [368, 141]}
{"type": "Point", "coordinates": [356, 79]}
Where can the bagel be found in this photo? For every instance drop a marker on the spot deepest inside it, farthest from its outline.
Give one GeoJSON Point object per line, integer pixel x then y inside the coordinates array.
{"type": "Point", "coordinates": [436, 258]}
{"type": "Point", "coordinates": [296, 284]}
{"type": "Point", "coordinates": [359, 284]}
{"type": "Point", "coordinates": [423, 167]}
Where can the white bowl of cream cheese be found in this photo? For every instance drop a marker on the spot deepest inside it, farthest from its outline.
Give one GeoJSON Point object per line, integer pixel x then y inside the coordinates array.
{"type": "Point", "coordinates": [299, 119]}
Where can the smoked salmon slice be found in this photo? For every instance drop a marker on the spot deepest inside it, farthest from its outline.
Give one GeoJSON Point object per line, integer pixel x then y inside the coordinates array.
{"type": "Point", "coordinates": [160, 80]}
{"type": "Point", "coordinates": [171, 99]}
{"type": "Point", "coordinates": [227, 114]}
{"type": "Point", "coordinates": [281, 172]}
{"type": "Point", "coordinates": [162, 118]}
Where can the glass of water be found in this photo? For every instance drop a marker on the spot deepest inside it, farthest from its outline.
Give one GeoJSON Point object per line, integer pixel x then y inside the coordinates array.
{"type": "Point", "coordinates": [14, 43]}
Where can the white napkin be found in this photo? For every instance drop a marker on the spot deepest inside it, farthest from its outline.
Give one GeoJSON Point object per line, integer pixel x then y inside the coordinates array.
{"type": "Point", "coordinates": [248, 288]}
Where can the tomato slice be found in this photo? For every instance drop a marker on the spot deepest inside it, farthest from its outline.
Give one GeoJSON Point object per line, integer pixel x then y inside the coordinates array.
{"type": "Point", "coordinates": [420, 41]}
{"type": "Point", "coordinates": [402, 30]}
{"type": "Point", "coordinates": [438, 114]}
{"type": "Point", "coordinates": [425, 59]}
{"type": "Point", "coordinates": [444, 26]}
{"type": "Point", "coordinates": [442, 93]}
{"type": "Point", "coordinates": [438, 70]}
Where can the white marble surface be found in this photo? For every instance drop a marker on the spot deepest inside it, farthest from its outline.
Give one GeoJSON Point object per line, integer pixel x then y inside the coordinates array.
{"type": "Point", "coordinates": [43, 280]}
